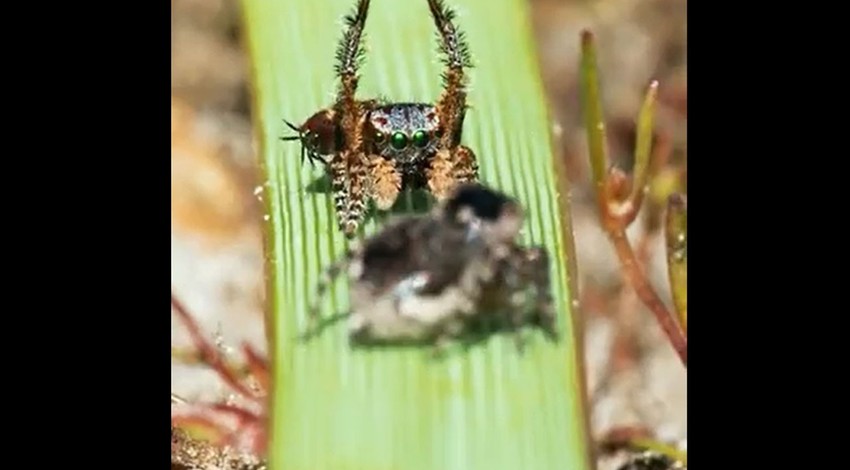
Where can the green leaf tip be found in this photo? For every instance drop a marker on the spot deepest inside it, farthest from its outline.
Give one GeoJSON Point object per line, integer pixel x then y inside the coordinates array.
{"type": "Point", "coordinates": [643, 145]}
{"type": "Point", "coordinates": [593, 117]}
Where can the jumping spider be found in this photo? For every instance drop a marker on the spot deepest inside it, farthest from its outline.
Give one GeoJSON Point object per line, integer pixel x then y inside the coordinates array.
{"type": "Point", "coordinates": [374, 149]}
{"type": "Point", "coordinates": [429, 278]}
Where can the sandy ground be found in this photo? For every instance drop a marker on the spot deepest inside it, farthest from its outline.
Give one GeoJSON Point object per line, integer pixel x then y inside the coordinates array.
{"type": "Point", "coordinates": [216, 247]}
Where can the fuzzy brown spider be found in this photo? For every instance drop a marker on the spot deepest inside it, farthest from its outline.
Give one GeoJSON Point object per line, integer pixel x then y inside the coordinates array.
{"type": "Point", "coordinates": [429, 278]}
{"type": "Point", "coordinates": [373, 149]}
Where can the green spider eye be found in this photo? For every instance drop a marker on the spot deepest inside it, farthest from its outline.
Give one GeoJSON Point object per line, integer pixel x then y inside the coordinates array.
{"type": "Point", "coordinates": [399, 141]}
{"type": "Point", "coordinates": [420, 138]}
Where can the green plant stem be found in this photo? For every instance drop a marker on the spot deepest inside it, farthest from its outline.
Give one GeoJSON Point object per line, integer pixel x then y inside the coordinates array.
{"type": "Point", "coordinates": [593, 118]}
{"type": "Point", "coordinates": [643, 148]}
{"type": "Point", "coordinates": [676, 234]}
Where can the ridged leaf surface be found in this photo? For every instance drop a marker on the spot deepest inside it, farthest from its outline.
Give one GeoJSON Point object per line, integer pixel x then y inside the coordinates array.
{"type": "Point", "coordinates": [336, 408]}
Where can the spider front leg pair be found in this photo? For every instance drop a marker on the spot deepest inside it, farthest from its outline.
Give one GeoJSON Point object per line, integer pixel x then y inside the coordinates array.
{"type": "Point", "coordinates": [436, 154]}
{"type": "Point", "coordinates": [453, 163]}
{"type": "Point", "coordinates": [391, 147]}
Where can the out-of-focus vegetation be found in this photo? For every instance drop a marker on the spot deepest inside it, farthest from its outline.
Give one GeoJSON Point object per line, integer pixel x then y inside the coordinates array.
{"type": "Point", "coordinates": [619, 199]}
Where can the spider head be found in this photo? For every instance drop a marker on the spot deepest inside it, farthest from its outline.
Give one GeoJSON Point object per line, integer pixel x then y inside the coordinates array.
{"type": "Point", "coordinates": [406, 133]}
{"type": "Point", "coordinates": [489, 214]}
{"type": "Point", "coordinates": [319, 136]}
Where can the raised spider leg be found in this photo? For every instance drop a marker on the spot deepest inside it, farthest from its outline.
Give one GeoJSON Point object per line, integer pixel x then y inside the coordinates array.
{"type": "Point", "coordinates": [348, 166]}
{"type": "Point", "coordinates": [451, 106]}
{"type": "Point", "coordinates": [452, 163]}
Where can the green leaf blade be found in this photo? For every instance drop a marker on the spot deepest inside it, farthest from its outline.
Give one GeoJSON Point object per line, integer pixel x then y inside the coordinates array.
{"type": "Point", "coordinates": [337, 408]}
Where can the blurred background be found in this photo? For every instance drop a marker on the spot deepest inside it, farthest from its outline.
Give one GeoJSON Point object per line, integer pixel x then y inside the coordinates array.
{"type": "Point", "coordinates": [635, 377]}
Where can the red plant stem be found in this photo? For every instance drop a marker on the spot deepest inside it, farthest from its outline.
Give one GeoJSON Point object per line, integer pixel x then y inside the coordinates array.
{"type": "Point", "coordinates": [209, 353]}
{"type": "Point", "coordinates": [246, 420]}
{"type": "Point", "coordinates": [647, 294]}
{"type": "Point", "coordinates": [627, 210]}
{"type": "Point", "coordinates": [191, 356]}
{"type": "Point", "coordinates": [240, 413]}
{"type": "Point", "coordinates": [258, 366]}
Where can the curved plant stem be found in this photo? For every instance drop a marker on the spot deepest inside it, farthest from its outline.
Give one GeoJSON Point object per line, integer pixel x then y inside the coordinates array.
{"type": "Point", "coordinates": [639, 282]}
{"type": "Point", "coordinates": [643, 147]}
{"type": "Point", "coordinates": [616, 215]}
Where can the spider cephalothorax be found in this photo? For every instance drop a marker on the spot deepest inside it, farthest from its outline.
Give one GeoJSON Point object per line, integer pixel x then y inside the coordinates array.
{"type": "Point", "coordinates": [404, 132]}
{"type": "Point", "coordinates": [428, 277]}
{"type": "Point", "coordinates": [373, 149]}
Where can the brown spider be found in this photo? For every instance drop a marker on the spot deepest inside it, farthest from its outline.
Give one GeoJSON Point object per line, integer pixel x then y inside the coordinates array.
{"type": "Point", "coordinates": [249, 432]}
{"type": "Point", "coordinates": [373, 149]}
{"type": "Point", "coordinates": [429, 278]}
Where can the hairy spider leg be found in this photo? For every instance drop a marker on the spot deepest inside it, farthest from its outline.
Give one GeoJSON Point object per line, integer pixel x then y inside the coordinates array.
{"type": "Point", "coordinates": [349, 166]}
{"type": "Point", "coordinates": [453, 163]}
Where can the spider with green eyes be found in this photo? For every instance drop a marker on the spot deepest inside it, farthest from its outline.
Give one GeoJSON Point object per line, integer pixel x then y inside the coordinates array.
{"type": "Point", "coordinates": [374, 149]}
